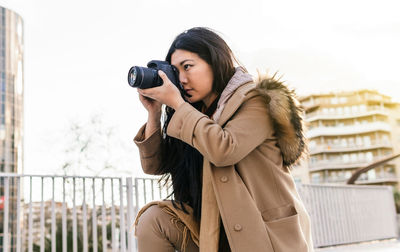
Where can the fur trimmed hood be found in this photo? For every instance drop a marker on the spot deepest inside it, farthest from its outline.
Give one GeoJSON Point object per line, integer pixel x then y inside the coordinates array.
{"type": "Point", "coordinates": [286, 115]}
{"type": "Point", "coordinates": [284, 109]}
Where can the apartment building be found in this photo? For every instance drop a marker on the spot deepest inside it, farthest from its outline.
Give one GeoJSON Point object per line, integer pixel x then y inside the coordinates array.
{"type": "Point", "coordinates": [349, 130]}
{"type": "Point", "coordinates": [11, 116]}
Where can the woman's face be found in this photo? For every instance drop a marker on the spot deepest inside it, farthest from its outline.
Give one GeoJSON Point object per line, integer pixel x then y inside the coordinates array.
{"type": "Point", "coordinates": [196, 76]}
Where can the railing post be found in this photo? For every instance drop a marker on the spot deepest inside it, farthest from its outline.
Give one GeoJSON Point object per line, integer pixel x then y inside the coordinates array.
{"type": "Point", "coordinates": [113, 234]}
{"type": "Point", "coordinates": [30, 237]}
{"type": "Point", "coordinates": [122, 216]}
{"type": "Point", "coordinates": [42, 217]}
{"type": "Point", "coordinates": [53, 220]}
{"type": "Point", "coordinates": [84, 219]}
{"type": "Point", "coordinates": [136, 197]}
{"type": "Point", "coordinates": [64, 220]}
{"type": "Point", "coordinates": [94, 218]}
{"type": "Point", "coordinates": [130, 217]}
{"type": "Point", "coordinates": [74, 220]}
{"type": "Point", "coordinates": [103, 219]}
{"type": "Point", "coordinates": [19, 236]}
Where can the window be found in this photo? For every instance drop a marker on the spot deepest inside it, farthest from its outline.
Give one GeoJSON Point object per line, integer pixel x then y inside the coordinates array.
{"type": "Point", "coordinates": [315, 178]}
{"type": "Point", "coordinates": [371, 174]}
{"type": "Point", "coordinates": [351, 141]}
{"type": "Point", "coordinates": [359, 141]}
{"type": "Point", "coordinates": [367, 141]}
{"type": "Point", "coordinates": [297, 180]}
{"type": "Point", "coordinates": [369, 156]}
{"type": "Point", "coordinates": [346, 158]}
{"type": "Point", "coordinates": [353, 157]}
{"type": "Point", "coordinates": [361, 156]}
{"type": "Point", "coordinates": [312, 144]}
{"type": "Point", "coordinates": [385, 138]}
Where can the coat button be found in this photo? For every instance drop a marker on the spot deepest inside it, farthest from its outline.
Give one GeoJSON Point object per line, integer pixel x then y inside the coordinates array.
{"type": "Point", "coordinates": [237, 227]}
{"type": "Point", "coordinates": [224, 179]}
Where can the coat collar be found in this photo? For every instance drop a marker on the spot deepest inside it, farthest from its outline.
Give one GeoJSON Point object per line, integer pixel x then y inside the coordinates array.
{"type": "Point", "coordinates": [232, 92]}
{"type": "Point", "coordinates": [233, 104]}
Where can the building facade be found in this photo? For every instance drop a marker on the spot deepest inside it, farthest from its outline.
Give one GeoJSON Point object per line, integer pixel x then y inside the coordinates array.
{"type": "Point", "coordinates": [11, 111]}
{"type": "Point", "coordinates": [349, 130]}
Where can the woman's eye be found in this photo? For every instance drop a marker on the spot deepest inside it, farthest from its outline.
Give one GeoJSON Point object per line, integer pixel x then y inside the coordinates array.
{"type": "Point", "coordinates": [187, 66]}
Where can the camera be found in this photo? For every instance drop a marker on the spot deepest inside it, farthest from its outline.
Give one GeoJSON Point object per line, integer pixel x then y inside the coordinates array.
{"type": "Point", "coordinates": [142, 77]}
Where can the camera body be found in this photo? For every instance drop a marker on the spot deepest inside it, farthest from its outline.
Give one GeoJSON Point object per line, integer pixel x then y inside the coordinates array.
{"type": "Point", "coordinates": [142, 77]}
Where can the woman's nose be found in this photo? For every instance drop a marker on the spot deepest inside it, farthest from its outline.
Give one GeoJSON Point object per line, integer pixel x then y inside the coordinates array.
{"type": "Point", "coordinates": [182, 78]}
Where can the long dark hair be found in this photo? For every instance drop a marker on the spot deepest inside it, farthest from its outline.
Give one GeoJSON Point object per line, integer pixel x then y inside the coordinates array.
{"type": "Point", "coordinates": [182, 163]}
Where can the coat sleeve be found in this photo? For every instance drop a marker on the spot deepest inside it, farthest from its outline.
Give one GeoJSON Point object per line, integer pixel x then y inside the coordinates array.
{"type": "Point", "coordinates": [149, 150]}
{"type": "Point", "coordinates": [223, 146]}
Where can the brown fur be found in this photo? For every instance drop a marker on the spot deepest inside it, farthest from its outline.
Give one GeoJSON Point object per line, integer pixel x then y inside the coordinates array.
{"type": "Point", "coordinates": [286, 116]}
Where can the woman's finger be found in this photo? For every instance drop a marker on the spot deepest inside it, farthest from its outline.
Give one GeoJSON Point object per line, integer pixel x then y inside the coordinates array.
{"type": "Point", "coordinates": [147, 93]}
{"type": "Point", "coordinates": [143, 92]}
{"type": "Point", "coordinates": [163, 76]}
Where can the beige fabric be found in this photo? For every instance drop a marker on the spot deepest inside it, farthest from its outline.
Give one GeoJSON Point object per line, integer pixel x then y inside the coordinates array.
{"type": "Point", "coordinates": [239, 78]}
{"type": "Point", "coordinates": [159, 228]}
{"type": "Point", "coordinates": [243, 176]}
{"type": "Point", "coordinates": [210, 217]}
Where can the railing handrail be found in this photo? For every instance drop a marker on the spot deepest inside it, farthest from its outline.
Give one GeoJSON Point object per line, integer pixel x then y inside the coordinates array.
{"type": "Point", "coordinates": [4, 174]}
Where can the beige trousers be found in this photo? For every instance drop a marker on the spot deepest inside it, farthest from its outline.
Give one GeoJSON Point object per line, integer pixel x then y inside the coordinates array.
{"type": "Point", "coordinates": [157, 232]}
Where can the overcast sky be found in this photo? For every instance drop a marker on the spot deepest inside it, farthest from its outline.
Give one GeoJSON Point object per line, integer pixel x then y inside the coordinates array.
{"type": "Point", "coordinates": [78, 53]}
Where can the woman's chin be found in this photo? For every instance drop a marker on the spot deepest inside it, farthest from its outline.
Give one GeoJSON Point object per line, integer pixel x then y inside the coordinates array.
{"type": "Point", "coordinates": [192, 99]}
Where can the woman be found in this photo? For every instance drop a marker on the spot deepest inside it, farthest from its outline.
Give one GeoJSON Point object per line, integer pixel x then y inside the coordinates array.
{"type": "Point", "coordinates": [227, 148]}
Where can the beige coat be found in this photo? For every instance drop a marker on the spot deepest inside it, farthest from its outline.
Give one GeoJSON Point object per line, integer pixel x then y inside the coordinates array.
{"type": "Point", "coordinates": [246, 179]}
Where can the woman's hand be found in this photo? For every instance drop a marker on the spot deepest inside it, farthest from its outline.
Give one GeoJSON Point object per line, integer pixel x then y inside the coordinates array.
{"type": "Point", "coordinates": [152, 106]}
{"type": "Point", "coordinates": [167, 94]}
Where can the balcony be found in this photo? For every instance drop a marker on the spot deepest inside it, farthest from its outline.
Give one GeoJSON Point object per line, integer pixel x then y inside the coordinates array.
{"type": "Point", "coordinates": [348, 130]}
{"type": "Point", "coordinates": [384, 177]}
{"type": "Point", "coordinates": [339, 163]}
{"type": "Point", "coordinates": [365, 179]}
{"type": "Point", "coordinates": [319, 115]}
{"type": "Point", "coordinates": [332, 148]}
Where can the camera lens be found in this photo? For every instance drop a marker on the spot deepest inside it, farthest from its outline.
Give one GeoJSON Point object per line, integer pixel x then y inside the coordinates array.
{"type": "Point", "coordinates": [142, 77]}
{"type": "Point", "coordinates": [132, 76]}
{"type": "Point", "coordinates": [135, 76]}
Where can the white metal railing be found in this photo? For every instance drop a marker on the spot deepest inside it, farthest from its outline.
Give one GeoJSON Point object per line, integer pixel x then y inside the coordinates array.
{"type": "Point", "coordinates": [349, 214]}
{"type": "Point", "coordinates": [101, 200]}
{"type": "Point", "coordinates": [339, 214]}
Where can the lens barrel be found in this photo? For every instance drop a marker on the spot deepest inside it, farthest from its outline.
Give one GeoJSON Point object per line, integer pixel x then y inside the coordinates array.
{"type": "Point", "coordinates": [132, 76]}
{"type": "Point", "coordinates": [142, 77]}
